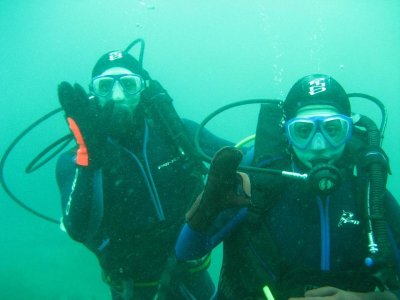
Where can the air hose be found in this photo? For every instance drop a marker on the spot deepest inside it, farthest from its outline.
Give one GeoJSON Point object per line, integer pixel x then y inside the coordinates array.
{"type": "Point", "coordinates": [376, 169]}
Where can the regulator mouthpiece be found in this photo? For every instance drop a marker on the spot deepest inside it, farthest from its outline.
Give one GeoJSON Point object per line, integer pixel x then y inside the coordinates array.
{"type": "Point", "coordinates": [324, 177]}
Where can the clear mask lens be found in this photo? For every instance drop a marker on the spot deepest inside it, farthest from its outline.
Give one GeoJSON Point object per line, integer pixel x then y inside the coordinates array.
{"type": "Point", "coordinates": [336, 130]}
{"type": "Point", "coordinates": [103, 85]}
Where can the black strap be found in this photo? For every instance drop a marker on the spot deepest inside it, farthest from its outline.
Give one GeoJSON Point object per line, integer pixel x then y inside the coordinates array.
{"type": "Point", "coordinates": [161, 110]}
{"type": "Point", "coordinates": [270, 140]}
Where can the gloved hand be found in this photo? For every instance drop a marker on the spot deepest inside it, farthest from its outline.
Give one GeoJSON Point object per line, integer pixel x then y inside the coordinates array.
{"type": "Point", "coordinates": [225, 188]}
{"type": "Point", "coordinates": [154, 92]}
{"type": "Point", "coordinates": [88, 122]}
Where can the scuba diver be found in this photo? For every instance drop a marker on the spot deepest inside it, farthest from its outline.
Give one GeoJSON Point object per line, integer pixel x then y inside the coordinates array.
{"type": "Point", "coordinates": [126, 187]}
{"type": "Point", "coordinates": [335, 235]}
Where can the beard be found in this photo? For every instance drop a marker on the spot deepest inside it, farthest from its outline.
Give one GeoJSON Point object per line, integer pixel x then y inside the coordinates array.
{"type": "Point", "coordinates": [121, 121]}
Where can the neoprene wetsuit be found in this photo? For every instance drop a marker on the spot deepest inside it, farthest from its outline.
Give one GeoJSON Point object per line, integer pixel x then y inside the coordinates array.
{"type": "Point", "coordinates": [300, 240]}
{"type": "Point", "coordinates": [129, 212]}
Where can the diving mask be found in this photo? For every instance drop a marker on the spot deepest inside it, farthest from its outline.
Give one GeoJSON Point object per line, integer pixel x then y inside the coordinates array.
{"type": "Point", "coordinates": [103, 85]}
{"type": "Point", "coordinates": [336, 129]}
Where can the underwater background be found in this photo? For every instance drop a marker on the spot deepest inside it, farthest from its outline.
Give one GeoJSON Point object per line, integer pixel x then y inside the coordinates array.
{"type": "Point", "coordinates": [206, 54]}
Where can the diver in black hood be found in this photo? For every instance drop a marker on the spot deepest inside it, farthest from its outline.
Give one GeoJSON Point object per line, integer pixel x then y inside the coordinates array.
{"type": "Point", "coordinates": [334, 236]}
{"type": "Point", "coordinates": [126, 186]}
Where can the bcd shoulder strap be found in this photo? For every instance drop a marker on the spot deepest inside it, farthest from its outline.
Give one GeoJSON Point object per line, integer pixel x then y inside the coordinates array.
{"type": "Point", "coordinates": [270, 141]}
{"type": "Point", "coordinates": [161, 111]}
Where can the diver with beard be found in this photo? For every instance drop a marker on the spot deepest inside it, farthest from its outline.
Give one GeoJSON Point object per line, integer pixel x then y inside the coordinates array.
{"type": "Point", "coordinates": [314, 239]}
{"type": "Point", "coordinates": [127, 186]}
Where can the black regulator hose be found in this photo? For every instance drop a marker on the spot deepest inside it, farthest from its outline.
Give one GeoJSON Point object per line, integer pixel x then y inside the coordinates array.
{"type": "Point", "coordinates": [37, 163]}
{"type": "Point", "coordinates": [376, 170]}
{"type": "Point", "coordinates": [381, 107]}
{"type": "Point", "coordinates": [11, 147]}
{"type": "Point", "coordinates": [212, 115]}
{"type": "Point", "coordinates": [142, 44]}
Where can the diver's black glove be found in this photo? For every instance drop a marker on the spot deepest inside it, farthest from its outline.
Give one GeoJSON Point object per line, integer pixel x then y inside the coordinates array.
{"type": "Point", "coordinates": [154, 92]}
{"type": "Point", "coordinates": [88, 122]}
{"type": "Point", "coordinates": [225, 188]}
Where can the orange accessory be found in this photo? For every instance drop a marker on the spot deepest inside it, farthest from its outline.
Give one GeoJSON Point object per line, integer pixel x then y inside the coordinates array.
{"type": "Point", "coordinates": [82, 157]}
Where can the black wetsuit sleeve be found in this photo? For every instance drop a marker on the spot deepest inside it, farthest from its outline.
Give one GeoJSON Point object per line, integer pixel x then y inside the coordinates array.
{"type": "Point", "coordinates": [209, 142]}
{"type": "Point", "coordinates": [81, 198]}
